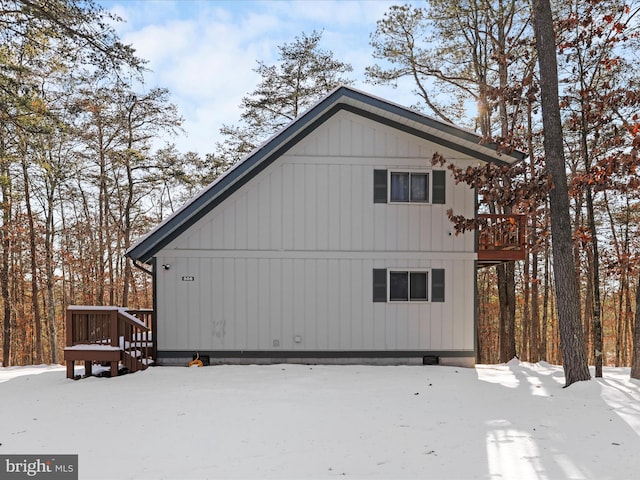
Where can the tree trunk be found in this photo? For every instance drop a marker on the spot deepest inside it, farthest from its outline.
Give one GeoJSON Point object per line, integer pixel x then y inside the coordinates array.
{"type": "Point", "coordinates": [50, 272]}
{"type": "Point", "coordinates": [506, 297]}
{"type": "Point", "coordinates": [570, 328]}
{"type": "Point", "coordinates": [5, 244]}
{"type": "Point", "coordinates": [628, 312]}
{"type": "Point", "coordinates": [635, 358]}
{"type": "Point", "coordinates": [597, 309]}
{"type": "Point", "coordinates": [587, 306]}
{"type": "Point", "coordinates": [103, 219]}
{"type": "Point", "coordinates": [629, 330]}
{"type": "Point", "coordinates": [595, 256]}
{"type": "Point", "coordinates": [623, 280]}
{"type": "Point", "coordinates": [527, 325]}
{"type": "Point", "coordinates": [536, 338]}
{"type": "Point", "coordinates": [35, 303]}
{"type": "Point", "coordinates": [128, 207]}
{"type": "Point", "coordinates": [544, 344]}
{"type": "Point", "coordinates": [506, 272]}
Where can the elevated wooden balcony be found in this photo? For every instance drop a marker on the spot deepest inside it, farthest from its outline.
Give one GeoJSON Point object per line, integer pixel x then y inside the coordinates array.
{"type": "Point", "coordinates": [500, 239]}
{"type": "Point", "coordinates": [108, 335]}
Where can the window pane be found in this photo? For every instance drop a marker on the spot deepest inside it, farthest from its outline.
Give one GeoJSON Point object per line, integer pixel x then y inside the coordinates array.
{"type": "Point", "coordinates": [419, 187]}
{"type": "Point", "coordinates": [418, 285]}
{"type": "Point", "coordinates": [398, 286]}
{"type": "Point", "coordinates": [399, 187]}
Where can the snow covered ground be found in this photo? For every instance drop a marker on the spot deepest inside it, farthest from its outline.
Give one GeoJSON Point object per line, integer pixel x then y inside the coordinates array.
{"type": "Point", "coordinates": [511, 421]}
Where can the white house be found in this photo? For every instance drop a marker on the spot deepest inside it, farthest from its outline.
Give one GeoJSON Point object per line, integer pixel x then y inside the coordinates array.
{"type": "Point", "coordinates": [328, 243]}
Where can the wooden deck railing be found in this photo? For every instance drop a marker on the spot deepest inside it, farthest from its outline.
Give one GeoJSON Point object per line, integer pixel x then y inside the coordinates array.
{"type": "Point", "coordinates": [501, 238]}
{"type": "Point", "coordinates": [108, 334]}
{"type": "Point", "coordinates": [145, 315]}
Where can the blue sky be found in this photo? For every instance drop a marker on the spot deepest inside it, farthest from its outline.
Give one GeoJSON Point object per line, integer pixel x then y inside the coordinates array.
{"type": "Point", "coordinates": [204, 51]}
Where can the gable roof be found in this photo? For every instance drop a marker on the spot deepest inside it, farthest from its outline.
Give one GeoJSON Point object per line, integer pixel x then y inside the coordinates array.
{"type": "Point", "coordinates": [342, 98]}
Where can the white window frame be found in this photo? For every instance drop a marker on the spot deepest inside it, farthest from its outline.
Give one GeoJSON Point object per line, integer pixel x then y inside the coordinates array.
{"type": "Point", "coordinates": [410, 172]}
{"type": "Point", "coordinates": [409, 271]}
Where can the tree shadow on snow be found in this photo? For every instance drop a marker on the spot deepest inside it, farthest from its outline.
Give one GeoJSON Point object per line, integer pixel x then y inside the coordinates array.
{"type": "Point", "coordinates": [535, 428]}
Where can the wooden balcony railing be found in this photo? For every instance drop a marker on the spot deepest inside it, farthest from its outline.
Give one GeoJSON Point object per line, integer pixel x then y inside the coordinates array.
{"type": "Point", "coordinates": [108, 335]}
{"type": "Point", "coordinates": [500, 239]}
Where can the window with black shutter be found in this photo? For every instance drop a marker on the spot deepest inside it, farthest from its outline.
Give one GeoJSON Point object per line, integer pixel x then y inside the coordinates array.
{"type": "Point", "coordinates": [407, 285]}
{"type": "Point", "coordinates": [409, 187]}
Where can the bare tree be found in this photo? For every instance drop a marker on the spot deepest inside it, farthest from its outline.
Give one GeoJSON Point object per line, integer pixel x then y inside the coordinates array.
{"type": "Point", "coordinates": [570, 326]}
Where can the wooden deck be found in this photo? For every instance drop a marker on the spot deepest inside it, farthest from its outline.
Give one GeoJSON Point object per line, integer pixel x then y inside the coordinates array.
{"type": "Point", "coordinates": [500, 239]}
{"type": "Point", "coordinates": [113, 336]}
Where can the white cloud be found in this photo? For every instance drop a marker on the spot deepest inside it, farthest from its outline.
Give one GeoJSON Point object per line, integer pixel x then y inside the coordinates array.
{"type": "Point", "coordinates": [207, 66]}
{"type": "Point", "coordinates": [204, 52]}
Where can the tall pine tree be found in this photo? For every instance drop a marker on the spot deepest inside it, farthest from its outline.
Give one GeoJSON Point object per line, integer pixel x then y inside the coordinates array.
{"type": "Point", "coordinates": [303, 74]}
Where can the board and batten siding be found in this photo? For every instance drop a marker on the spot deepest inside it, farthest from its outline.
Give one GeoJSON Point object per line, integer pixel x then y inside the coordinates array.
{"type": "Point", "coordinates": [325, 302]}
{"type": "Point", "coordinates": [286, 262]}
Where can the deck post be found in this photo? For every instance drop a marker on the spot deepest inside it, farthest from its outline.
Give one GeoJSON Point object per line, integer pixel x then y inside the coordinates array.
{"type": "Point", "coordinates": [114, 332]}
{"type": "Point", "coordinates": [69, 335]}
{"type": "Point", "coordinates": [113, 328]}
{"type": "Point", "coordinates": [69, 322]}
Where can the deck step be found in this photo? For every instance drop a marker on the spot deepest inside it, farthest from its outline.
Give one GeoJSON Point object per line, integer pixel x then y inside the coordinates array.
{"type": "Point", "coordinates": [108, 335]}
{"type": "Point", "coordinates": [91, 354]}
{"type": "Point", "coordinates": [97, 353]}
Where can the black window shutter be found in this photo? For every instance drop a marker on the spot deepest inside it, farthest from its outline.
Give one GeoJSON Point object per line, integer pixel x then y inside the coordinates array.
{"type": "Point", "coordinates": [379, 284]}
{"type": "Point", "coordinates": [439, 186]}
{"type": "Point", "coordinates": [379, 186]}
{"type": "Point", "coordinates": [437, 285]}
